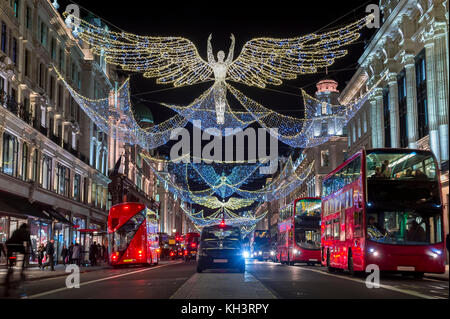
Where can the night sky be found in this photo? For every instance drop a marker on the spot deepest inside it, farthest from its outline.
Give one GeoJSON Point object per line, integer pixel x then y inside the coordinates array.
{"type": "Point", "coordinates": [195, 20]}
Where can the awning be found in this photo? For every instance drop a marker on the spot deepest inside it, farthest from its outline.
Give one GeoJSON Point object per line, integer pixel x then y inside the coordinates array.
{"type": "Point", "coordinates": [92, 231]}
{"type": "Point", "coordinates": [54, 214]}
{"type": "Point", "coordinates": [17, 205]}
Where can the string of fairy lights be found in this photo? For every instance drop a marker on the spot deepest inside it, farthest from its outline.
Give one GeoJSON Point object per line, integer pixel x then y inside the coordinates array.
{"type": "Point", "coordinates": [222, 186]}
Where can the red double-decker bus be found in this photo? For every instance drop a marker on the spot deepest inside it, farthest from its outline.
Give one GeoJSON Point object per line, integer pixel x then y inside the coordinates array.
{"type": "Point", "coordinates": [383, 207]}
{"type": "Point", "coordinates": [133, 231]}
{"type": "Point", "coordinates": [299, 232]}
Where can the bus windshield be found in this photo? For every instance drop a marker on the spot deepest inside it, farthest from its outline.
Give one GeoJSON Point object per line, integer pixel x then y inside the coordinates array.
{"type": "Point", "coordinates": [123, 236]}
{"type": "Point", "coordinates": [404, 227]}
{"type": "Point", "coordinates": [400, 166]}
{"type": "Point", "coordinates": [307, 232]}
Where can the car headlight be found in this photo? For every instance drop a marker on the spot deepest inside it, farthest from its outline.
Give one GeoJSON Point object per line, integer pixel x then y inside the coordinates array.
{"type": "Point", "coordinates": [260, 253]}
{"type": "Point", "coordinates": [246, 254]}
{"type": "Point", "coordinates": [272, 253]}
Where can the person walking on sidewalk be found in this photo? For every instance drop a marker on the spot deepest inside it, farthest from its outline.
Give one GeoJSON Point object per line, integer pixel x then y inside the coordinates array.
{"type": "Point", "coordinates": [64, 254]}
{"type": "Point", "coordinates": [18, 243]}
{"type": "Point", "coordinates": [41, 251]}
{"type": "Point", "coordinates": [93, 254]}
{"type": "Point", "coordinates": [50, 255]}
{"type": "Point", "coordinates": [70, 253]}
{"type": "Point", "coordinates": [76, 254]}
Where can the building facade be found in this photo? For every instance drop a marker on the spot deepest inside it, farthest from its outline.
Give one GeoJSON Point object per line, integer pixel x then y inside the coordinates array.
{"type": "Point", "coordinates": [408, 60]}
{"type": "Point", "coordinates": [53, 159]}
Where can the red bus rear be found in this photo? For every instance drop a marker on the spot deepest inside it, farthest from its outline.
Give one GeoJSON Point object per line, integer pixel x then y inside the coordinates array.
{"type": "Point", "coordinates": [383, 207]}
{"type": "Point", "coordinates": [299, 232]}
{"type": "Point", "coordinates": [133, 231]}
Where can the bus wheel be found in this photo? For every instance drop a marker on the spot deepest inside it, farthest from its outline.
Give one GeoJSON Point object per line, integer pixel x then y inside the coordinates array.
{"type": "Point", "coordinates": [350, 263]}
{"type": "Point", "coordinates": [418, 275]}
{"type": "Point", "coordinates": [330, 269]}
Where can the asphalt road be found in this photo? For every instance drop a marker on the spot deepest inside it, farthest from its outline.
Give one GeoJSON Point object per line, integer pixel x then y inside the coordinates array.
{"type": "Point", "coordinates": [262, 280]}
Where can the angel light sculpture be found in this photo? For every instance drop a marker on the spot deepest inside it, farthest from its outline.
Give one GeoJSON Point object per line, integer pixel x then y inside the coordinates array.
{"type": "Point", "coordinates": [262, 61]}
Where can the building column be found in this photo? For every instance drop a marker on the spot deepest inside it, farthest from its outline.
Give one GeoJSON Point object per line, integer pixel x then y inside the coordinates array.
{"type": "Point", "coordinates": [373, 123]}
{"type": "Point", "coordinates": [2, 130]}
{"type": "Point", "coordinates": [442, 92]}
{"type": "Point", "coordinates": [380, 119]}
{"type": "Point", "coordinates": [431, 98]}
{"type": "Point", "coordinates": [376, 118]}
{"type": "Point", "coordinates": [394, 116]}
{"type": "Point", "coordinates": [411, 101]}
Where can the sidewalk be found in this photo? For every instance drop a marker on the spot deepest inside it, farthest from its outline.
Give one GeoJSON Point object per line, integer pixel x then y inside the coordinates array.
{"type": "Point", "coordinates": [439, 276]}
{"type": "Point", "coordinates": [34, 273]}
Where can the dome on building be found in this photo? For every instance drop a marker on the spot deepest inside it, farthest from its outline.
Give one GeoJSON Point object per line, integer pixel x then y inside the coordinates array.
{"type": "Point", "coordinates": [143, 114]}
{"type": "Point", "coordinates": [327, 85]}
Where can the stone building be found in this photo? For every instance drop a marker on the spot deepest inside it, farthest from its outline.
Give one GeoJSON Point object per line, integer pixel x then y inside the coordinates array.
{"type": "Point", "coordinates": [409, 107]}
{"type": "Point", "coordinates": [53, 159]}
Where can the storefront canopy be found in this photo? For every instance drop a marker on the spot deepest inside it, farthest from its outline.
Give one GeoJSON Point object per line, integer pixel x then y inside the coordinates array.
{"type": "Point", "coordinates": [19, 206]}
{"type": "Point", "coordinates": [54, 214]}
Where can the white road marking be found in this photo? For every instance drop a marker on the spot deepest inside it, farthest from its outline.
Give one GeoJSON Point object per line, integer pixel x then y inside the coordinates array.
{"type": "Point", "coordinates": [408, 292]}
{"type": "Point", "coordinates": [96, 280]}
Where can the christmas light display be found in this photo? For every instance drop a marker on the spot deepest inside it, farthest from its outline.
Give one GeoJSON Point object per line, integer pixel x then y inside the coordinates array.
{"type": "Point", "coordinates": [176, 60]}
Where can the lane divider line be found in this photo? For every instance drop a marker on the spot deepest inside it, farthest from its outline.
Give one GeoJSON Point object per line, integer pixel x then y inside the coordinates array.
{"type": "Point", "coordinates": [96, 280]}
{"type": "Point", "coordinates": [388, 287]}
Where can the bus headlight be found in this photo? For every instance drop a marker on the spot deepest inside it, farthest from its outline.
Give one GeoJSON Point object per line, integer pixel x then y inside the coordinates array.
{"type": "Point", "coordinates": [373, 252]}
{"type": "Point", "coordinates": [435, 253]}
{"type": "Point", "coordinates": [296, 252]}
{"type": "Point", "coordinates": [246, 254]}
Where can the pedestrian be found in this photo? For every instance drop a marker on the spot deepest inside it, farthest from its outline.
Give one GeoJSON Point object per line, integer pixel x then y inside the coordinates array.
{"type": "Point", "coordinates": [99, 253]}
{"type": "Point", "coordinates": [76, 254]}
{"type": "Point", "coordinates": [2, 251]}
{"type": "Point", "coordinates": [70, 253]}
{"type": "Point", "coordinates": [64, 254]}
{"type": "Point", "coordinates": [50, 250]}
{"type": "Point", "coordinates": [41, 251]}
{"type": "Point", "coordinates": [93, 253]}
{"type": "Point", "coordinates": [19, 243]}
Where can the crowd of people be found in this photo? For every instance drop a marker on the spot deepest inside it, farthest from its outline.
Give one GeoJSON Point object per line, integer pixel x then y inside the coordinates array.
{"type": "Point", "coordinates": [45, 254]}
{"type": "Point", "coordinates": [385, 172]}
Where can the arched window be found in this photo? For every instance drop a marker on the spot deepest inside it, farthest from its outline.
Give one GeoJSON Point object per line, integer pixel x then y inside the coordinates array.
{"type": "Point", "coordinates": [10, 154]}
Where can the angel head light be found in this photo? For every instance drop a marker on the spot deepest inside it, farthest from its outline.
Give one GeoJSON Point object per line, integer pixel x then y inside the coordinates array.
{"type": "Point", "coordinates": [220, 56]}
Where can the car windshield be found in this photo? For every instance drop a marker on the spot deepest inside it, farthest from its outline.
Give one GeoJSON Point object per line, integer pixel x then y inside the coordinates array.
{"type": "Point", "coordinates": [404, 227]}
{"type": "Point", "coordinates": [307, 232]}
{"type": "Point", "coordinates": [400, 166]}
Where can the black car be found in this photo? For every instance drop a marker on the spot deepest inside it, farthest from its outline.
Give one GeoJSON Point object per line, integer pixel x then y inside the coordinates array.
{"type": "Point", "coordinates": [220, 247]}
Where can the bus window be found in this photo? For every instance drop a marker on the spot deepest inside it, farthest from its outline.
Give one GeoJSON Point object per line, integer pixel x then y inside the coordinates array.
{"type": "Point", "coordinates": [336, 227]}
{"type": "Point", "coordinates": [342, 223]}
{"type": "Point", "coordinates": [328, 233]}
{"type": "Point", "coordinates": [357, 224]}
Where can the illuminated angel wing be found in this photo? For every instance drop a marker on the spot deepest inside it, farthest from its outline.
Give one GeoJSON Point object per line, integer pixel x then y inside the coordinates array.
{"type": "Point", "coordinates": [169, 59]}
{"type": "Point", "coordinates": [265, 61]}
